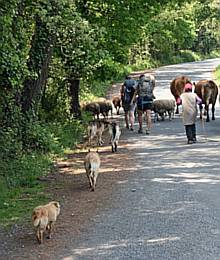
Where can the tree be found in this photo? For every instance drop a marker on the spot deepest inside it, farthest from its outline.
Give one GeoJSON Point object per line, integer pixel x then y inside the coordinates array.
{"type": "Point", "coordinates": [80, 53]}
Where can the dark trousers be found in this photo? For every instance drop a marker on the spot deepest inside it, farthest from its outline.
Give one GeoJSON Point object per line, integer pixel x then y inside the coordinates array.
{"type": "Point", "coordinates": [191, 132]}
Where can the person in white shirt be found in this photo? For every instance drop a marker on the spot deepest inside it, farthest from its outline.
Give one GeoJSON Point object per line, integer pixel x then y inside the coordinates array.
{"type": "Point", "coordinates": [189, 102]}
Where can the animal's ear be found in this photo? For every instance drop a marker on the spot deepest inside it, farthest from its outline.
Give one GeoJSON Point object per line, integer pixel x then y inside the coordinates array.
{"type": "Point", "coordinates": [56, 204]}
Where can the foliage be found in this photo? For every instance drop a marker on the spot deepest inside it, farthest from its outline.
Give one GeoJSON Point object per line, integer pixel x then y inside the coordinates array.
{"type": "Point", "coordinates": [217, 74]}
{"type": "Point", "coordinates": [46, 43]}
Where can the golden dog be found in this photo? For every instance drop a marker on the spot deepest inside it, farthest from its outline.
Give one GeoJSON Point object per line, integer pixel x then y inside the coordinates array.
{"type": "Point", "coordinates": [44, 217]}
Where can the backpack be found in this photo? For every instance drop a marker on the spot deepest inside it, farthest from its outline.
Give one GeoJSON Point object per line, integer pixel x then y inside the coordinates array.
{"type": "Point", "coordinates": [146, 89]}
{"type": "Point", "coordinates": [129, 85]}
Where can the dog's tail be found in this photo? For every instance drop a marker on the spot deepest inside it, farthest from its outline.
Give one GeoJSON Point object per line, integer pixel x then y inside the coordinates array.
{"type": "Point", "coordinates": [39, 219]}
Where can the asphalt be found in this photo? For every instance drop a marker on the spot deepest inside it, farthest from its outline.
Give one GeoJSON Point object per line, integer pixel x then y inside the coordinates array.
{"type": "Point", "coordinates": [169, 208]}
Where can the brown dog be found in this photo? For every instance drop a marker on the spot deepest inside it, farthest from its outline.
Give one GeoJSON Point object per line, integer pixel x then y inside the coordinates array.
{"type": "Point", "coordinates": [44, 217]}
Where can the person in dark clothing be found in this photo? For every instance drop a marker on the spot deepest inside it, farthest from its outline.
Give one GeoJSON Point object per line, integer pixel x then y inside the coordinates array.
{"type": "Point", "coordinates": [127, 92]}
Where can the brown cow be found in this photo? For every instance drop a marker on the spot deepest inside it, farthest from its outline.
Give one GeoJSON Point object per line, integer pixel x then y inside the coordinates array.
{"type": "Point", "coordinates": [117, 103]}
{"type": "Point", "coordinates": [207, 90]}
{"type": "Point", "coordinates": [177, 88]}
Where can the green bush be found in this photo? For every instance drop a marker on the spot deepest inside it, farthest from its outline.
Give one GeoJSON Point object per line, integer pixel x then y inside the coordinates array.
{"type": "Point", "coordinates": [217, 74]}
{"type": "Point", "coordinates": [111, 70]}
{"type": "Point", "coordinates": [67, 134]}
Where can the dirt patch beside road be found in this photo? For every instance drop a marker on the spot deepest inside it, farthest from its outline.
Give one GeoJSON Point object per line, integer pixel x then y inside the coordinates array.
{"type": "Point", "coordinates": [69, 185]}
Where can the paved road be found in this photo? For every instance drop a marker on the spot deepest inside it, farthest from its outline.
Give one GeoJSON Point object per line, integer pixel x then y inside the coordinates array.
{"type": "Point", "coordinates": [169, 208]}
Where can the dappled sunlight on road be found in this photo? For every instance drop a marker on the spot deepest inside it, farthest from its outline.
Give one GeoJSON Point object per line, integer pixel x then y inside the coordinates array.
{"type": "Point", "coordinates": [189, 181]}
{"type": "Point", "coordinates": [104, 249]}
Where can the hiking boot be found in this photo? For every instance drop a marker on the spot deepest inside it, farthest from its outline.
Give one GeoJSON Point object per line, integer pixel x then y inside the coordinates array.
{"type": "Point", "coordinates": [147, 131]}
{"type": "Point", "coordinates": [140, 131]}
{"type": "Point", "coordinates": [190, 142]}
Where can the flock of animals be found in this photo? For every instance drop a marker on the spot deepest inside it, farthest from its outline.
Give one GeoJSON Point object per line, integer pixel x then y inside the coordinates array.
{"type": "Point", "coordinates": [44, 217]}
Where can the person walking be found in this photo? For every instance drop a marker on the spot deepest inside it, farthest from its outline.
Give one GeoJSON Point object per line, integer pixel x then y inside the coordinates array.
{"type": "Point", "coordinates": [189, 103]}
{"type": "Point", "coordinates": [128, 103]}
{"type": "Point", "coordinates": [145, 97]}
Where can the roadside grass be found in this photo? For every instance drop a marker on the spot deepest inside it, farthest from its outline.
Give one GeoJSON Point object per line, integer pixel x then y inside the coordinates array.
{"type": "Point", "coordinates": [18, 203]}
{"type": "Point", "coordinates": [217, 74]}
{"type": "Point", "coordinates": [21, 185]}
{"type": "Point", "coordinates": [21, 188]}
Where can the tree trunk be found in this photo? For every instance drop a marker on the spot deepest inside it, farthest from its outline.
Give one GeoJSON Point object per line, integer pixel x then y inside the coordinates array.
{"type": "Point", "coordinates": [74, 95]}
{"type": "Point", "coordinates": [38, 64]}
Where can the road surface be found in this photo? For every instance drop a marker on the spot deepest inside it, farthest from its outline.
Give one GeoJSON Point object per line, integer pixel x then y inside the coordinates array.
{"type": "Point", "coordinates": [169, 208]}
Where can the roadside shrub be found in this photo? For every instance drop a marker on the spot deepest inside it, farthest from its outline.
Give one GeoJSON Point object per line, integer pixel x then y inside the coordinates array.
{"type": "Point", "coordinates": [111, 70]}
{"type": "Point", "coordinates": [187, 56]}
{"type": "Point", "coordinates": [37, 137]}
{"type": "Point", "coordinates": [67, 134]}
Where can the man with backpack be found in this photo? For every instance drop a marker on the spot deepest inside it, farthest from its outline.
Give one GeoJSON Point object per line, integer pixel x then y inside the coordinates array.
{"type": "Point", "coordinates": [127, 93]}
{"type": "Point", "coordinates": [145, 97]}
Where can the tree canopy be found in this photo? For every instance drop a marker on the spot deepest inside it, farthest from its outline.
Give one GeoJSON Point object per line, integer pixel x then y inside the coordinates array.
{"type": "Point", "coordinates": [49, 47]}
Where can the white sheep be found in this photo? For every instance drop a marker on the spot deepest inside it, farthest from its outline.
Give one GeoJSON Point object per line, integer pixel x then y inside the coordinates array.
{"type": "Point", "coordinates": [163, 106]}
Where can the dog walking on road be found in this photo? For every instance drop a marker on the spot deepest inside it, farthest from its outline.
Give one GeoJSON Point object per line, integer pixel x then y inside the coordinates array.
{"type": "Point", "coordinates": [44, 217]}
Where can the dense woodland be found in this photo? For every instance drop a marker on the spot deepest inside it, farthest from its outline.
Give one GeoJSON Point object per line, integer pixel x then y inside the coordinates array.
{"type": "Point", "coordinates": [56, 53]}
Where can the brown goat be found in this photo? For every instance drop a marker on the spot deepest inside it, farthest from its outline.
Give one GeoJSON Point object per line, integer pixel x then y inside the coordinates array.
{"type": "Point", "coordinates": [105, 107]}
{"type": "Point", "coordinates": [93, 108]}
{"type": "Point", "coordinates": [207, 90]}
{"type": "Point", "coordinates": [177, 88]}
{"type": "Point", "coordinates": [117, 103]}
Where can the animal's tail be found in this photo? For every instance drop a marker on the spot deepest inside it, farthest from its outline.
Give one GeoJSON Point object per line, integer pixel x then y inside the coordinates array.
{"type": "Point", "coordinates": [35, 221]}
{"type": "Point", "coordinates": [94, 167]}
{"type": "Point", "coordinates": [38, 219]}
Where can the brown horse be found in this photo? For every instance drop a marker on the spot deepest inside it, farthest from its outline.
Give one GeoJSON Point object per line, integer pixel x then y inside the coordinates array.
{"type": "Point", "coordinates": [177, 88]}
{"type": "Point", "coordinates": [207, 90]}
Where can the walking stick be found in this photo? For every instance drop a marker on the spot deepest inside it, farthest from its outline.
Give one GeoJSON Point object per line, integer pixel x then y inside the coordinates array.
{"type": "Point", "coordinates": [203, 127]}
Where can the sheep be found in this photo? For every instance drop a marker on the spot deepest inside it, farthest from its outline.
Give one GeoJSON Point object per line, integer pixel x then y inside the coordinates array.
{"type": "Point", "coordinates": [161, 106]}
